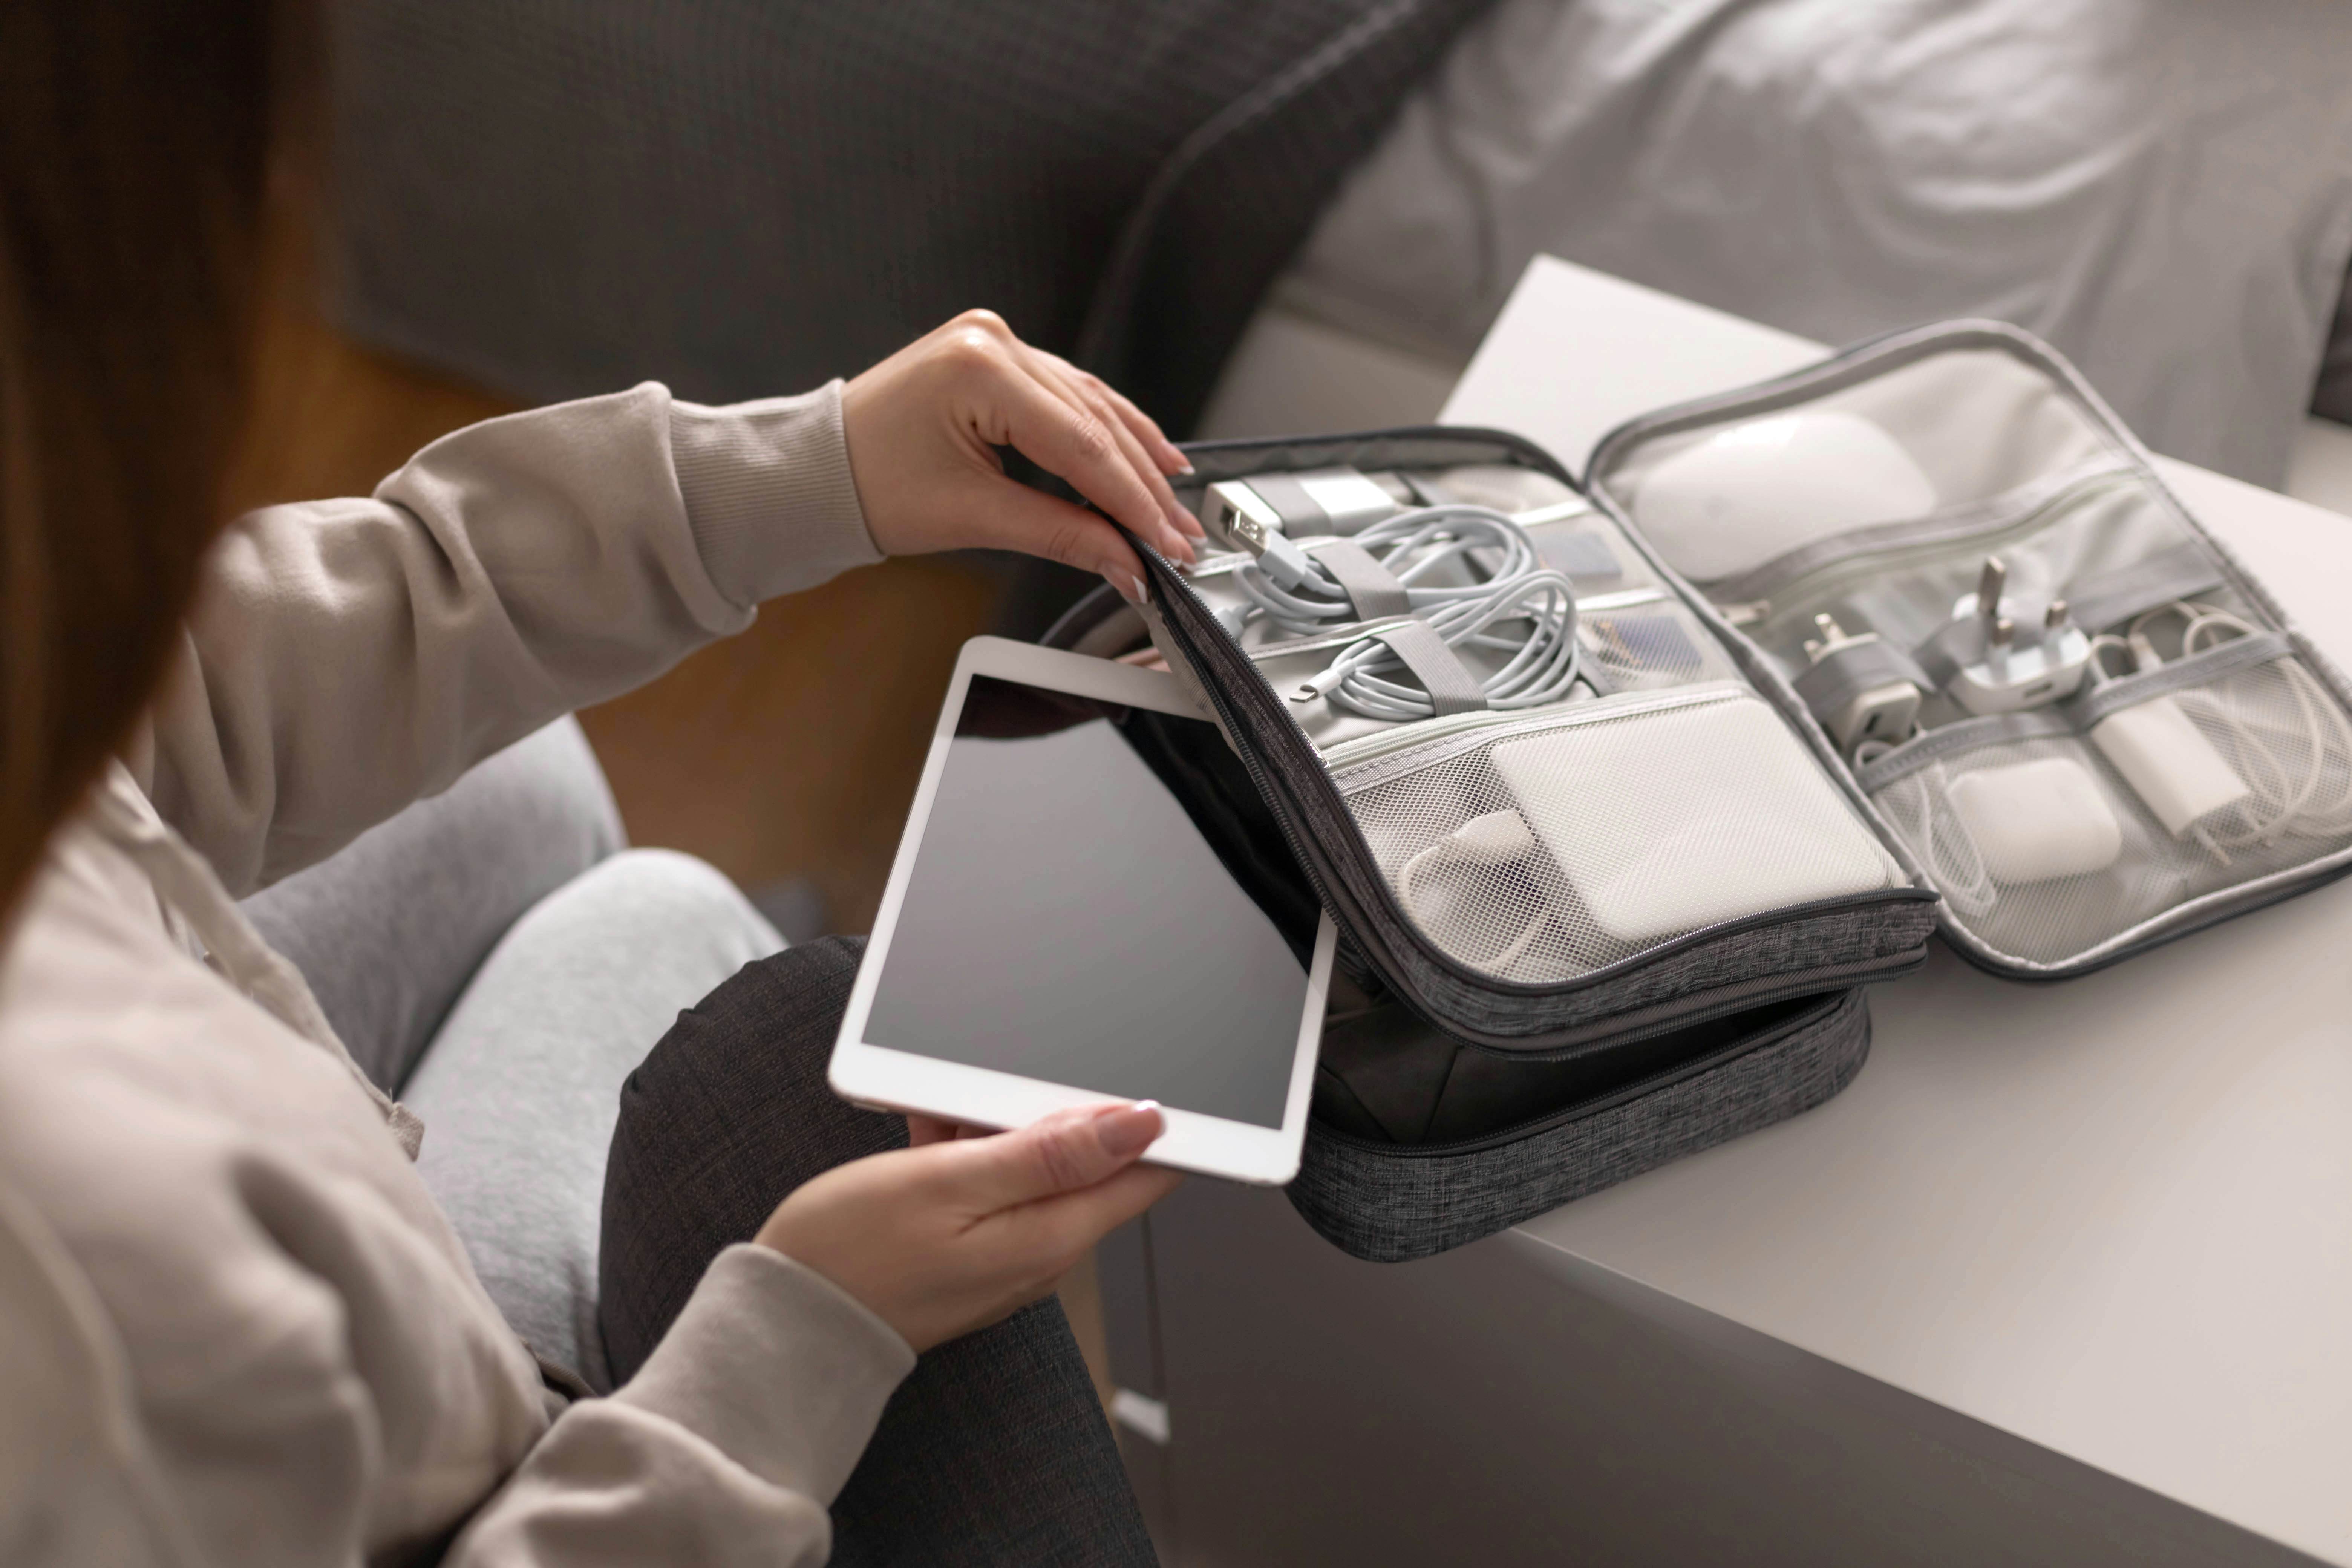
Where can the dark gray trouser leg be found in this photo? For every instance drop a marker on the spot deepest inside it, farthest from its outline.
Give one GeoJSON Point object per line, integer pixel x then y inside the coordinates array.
{"type": "Point", "coordinates": [389, 928]}
{"type": "Point", "coordinates": [994, 1450]}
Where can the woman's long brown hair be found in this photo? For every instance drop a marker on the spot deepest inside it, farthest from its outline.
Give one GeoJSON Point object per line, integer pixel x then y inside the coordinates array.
{"type": "Point", "coordinates": [133, 142]}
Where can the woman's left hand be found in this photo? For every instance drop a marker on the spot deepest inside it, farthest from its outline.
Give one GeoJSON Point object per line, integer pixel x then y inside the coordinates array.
{"type": "Point", "coordinates": [924, 426]}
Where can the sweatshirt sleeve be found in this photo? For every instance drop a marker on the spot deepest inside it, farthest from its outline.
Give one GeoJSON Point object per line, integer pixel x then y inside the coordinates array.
{"type": "Point", "coordinates": [349, 657]}
{"type": "Point", "coordinates": [727, 1447]}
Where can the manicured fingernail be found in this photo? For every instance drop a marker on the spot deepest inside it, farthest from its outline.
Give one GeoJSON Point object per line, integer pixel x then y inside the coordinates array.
{"type": "Point", "coordinates": [1124, 581]}
{"type": "Point", "coordinates": [1130, 1129]}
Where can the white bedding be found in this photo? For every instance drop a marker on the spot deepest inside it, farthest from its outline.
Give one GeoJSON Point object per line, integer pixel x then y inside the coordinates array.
{"type": "Point", "coordinates": [2164, 190]}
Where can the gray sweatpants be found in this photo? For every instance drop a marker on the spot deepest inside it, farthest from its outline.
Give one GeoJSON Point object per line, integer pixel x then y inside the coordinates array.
{"type": "Point", "coordinates": [499, 958]}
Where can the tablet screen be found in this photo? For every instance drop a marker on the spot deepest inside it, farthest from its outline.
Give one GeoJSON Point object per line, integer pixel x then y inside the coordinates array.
{"type": "Point", "coordinates": [1071, 917]}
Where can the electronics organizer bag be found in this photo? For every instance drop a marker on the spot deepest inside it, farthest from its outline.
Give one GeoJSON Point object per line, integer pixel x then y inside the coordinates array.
{"type": "Point", "coordinates": [1913, 639]}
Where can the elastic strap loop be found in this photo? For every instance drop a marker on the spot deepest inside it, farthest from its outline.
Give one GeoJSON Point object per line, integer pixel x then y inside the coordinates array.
{"type": "Point", "coordinates": [1452, 687]}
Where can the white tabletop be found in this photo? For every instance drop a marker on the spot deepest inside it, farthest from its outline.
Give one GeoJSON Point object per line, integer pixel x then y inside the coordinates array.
{"type": "Point", "coordinates": [2112, 1215]}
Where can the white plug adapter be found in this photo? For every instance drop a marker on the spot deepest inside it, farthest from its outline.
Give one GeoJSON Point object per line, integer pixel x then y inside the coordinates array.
{"type": "Point", "coordinates": [2169, 764]}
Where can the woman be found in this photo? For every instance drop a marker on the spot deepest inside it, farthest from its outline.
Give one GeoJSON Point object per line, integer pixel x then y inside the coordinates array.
{"type": "Point", "coordinates": [234, 1324]}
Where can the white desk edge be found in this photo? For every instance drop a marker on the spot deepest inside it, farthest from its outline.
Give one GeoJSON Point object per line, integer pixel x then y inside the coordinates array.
{"type": "Point", "coordinates": [2111, 1217]}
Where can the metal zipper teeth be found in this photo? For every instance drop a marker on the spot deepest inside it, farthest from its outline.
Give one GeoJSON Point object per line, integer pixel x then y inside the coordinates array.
{"type": "Point", "coordinates": [1561, 716]}
{"type": "Point", "coordinates": [1518, 1132]}
{"type": "Point", "coordinates": [1870, 561]}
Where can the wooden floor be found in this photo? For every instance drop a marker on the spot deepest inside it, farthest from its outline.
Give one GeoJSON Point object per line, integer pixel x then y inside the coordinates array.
{"type": "Point", "coordinates": [789, 752]}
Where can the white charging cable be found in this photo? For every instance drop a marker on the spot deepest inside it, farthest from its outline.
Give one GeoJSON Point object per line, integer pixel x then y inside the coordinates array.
{"type": "Point", "coordinates": [1499, 838]}
{"type": "Point", "coordinates": [1540, 669]}
{"type": "Point", "coordinates": [1302, 597]}
{"type": "Point", "coordinates": [1951, 855]}
{"type": "Point", "coordinates": [2281, 798]}
{"type": "Point", "coordinates": [1516, 607]}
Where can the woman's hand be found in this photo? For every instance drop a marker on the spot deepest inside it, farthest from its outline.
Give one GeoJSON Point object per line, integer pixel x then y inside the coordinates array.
{"type": "Point", "coordinates": [923, 426]}
{"type": "Point", "coordinates": [951, 1234]}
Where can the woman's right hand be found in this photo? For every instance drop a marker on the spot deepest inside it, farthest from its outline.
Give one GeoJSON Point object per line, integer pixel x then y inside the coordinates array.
{"type": "Point", "coordinates": [951, 1236]}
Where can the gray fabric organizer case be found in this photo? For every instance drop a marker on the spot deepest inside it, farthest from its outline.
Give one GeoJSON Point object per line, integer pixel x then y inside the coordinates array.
{"type": "Point", "coordinates": [1664, 945]}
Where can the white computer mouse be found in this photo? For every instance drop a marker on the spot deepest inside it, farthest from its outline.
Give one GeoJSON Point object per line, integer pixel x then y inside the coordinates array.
{"type": "Point", "coordinates": [1753, 491]}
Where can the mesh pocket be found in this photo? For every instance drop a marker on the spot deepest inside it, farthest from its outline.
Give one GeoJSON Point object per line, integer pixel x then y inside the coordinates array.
{"type": "Point", "coordinates": [2046, 848]}
{"type": "Point", "coordinates": [1549, 851]}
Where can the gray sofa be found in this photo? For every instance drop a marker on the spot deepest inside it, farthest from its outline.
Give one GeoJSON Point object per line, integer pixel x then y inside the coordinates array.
{"type": "Point", "coordinates": [739, 197]}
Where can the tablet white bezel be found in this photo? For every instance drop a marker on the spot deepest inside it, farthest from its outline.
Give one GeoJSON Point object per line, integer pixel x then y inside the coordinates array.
{"type": "Point", "coordinates": [900, 1080]}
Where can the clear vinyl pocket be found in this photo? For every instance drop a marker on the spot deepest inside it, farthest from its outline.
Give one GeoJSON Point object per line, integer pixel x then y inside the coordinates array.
{"type": "Point", "coordinates": [2061, 836]}
{"type": "Point", "coordinates": [1541, 850]}
{"type": "Point", "coordinates": [1646, 642]}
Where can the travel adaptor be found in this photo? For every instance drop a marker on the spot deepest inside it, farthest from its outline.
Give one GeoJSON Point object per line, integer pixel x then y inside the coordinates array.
{"type": "Point", "coordinates": [2016, 670]}
{"type": "Point", "coordinates": [1886, 705]}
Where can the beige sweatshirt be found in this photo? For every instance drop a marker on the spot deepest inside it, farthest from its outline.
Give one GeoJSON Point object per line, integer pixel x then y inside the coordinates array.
{"type": "Point", "coordinates": [233, 1328]}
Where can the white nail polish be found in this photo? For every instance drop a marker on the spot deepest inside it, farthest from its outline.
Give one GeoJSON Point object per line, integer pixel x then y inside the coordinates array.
{"type": "Point", "coordinates": [1128, 588]}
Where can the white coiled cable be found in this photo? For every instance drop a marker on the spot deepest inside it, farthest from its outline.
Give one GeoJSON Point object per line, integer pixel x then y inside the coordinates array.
{"type": "Point", "coordinates": [1413, 546]}
{"type": "Point", "coordinates": [1534, 603]}
{"type": "Point", "coordinates": [1540, 669]}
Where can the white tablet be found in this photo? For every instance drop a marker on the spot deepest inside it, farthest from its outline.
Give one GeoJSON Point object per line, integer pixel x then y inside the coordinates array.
{"type": "Point", "coordinates": [1059, 931]}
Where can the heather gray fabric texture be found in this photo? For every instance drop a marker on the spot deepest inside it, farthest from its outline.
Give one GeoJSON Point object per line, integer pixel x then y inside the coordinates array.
{"type": "Point", "coordinates": [993, 1450]}
{"type": "Point", "coordinates": [1391, 1203]}
{"type": "Point", "coordinates": [736, 196]}
{"type": "Point", "coordinates": [520, 1089]}
{"type": "Point", "coordinates": [388, 929]}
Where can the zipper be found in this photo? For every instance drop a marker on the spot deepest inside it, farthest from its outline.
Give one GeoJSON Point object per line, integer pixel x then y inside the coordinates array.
{"type": "Point", "coordinates": [1664, 1017]}
{"type": "Point", "coordinates": [1576, 1110]}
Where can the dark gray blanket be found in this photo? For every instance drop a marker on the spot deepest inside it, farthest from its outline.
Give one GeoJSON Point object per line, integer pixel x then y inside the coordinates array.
{"type": "Point", "coordinates": [564, 196]}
